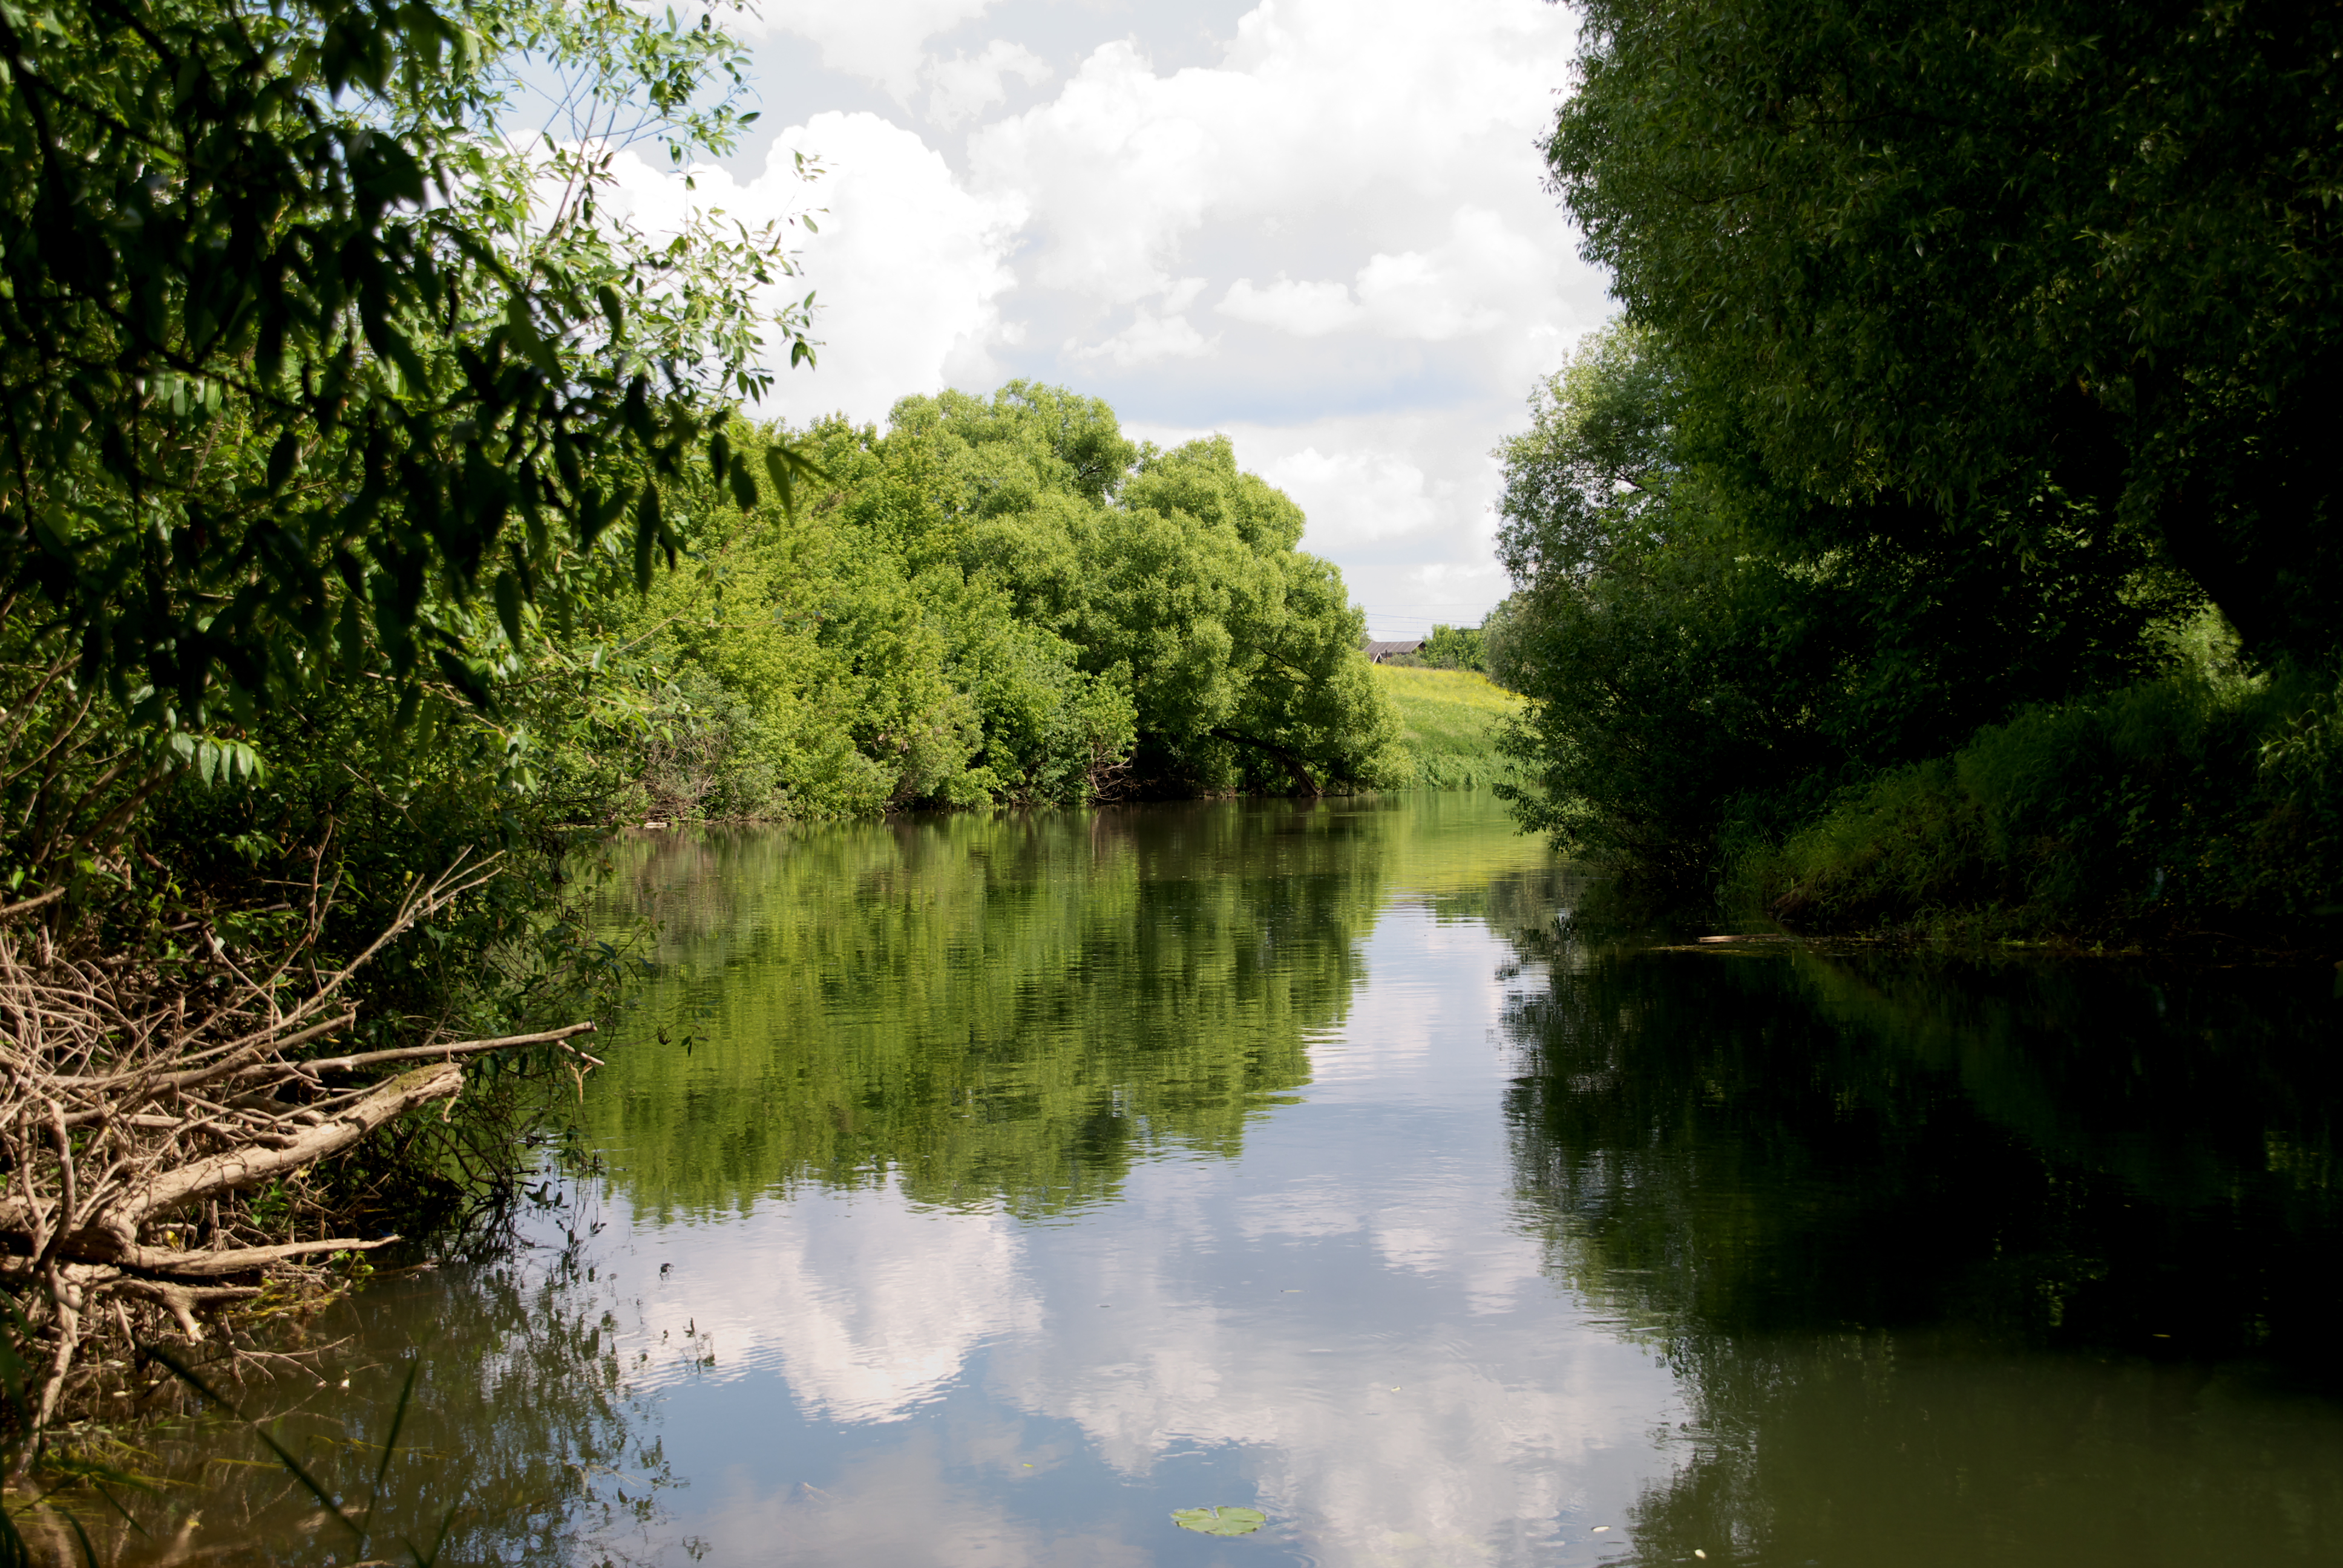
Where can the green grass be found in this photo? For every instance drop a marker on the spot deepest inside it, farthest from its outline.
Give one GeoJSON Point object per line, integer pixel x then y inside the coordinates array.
{"type": "Point", "coordinates": [2189, 808]}
{"type": "Point", "coordinates": [1449, 721]}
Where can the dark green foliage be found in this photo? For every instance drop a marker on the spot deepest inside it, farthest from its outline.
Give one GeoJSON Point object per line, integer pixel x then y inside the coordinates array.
{"type": "Point", "coordinates": [327, 444]}
{"type": "Point", "coordinates": [1711, 655]}
{"type": "Point", "coordinates": [1970, 351]}
{"type": "Point", "coordinates": [2167, 809]}
{"type": "Point", "coordinates": [292, 372]}
{"type": "Point", "coordinates": [1954, 254]}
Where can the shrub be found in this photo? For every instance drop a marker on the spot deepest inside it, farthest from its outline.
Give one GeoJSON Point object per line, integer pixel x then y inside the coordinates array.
{"type": "Point", "coordinates": [2188, 804]}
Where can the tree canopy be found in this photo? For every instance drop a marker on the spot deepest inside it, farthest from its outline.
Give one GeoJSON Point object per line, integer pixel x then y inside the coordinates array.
{"type": "Point", "coordinates": [1002, 599]}
{"type": "Point", "coordinates": [1962, 430]}
{"type": "Point", "coordinates": [1954, 253]}
{"type": "Point", "coordinates": [315, 351]}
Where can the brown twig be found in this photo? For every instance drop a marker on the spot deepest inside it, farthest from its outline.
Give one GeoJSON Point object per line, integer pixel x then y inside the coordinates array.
{"type": "Point", "coordinates": [131, 1099]}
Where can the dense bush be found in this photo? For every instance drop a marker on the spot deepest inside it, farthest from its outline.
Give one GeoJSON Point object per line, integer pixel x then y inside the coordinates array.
{"type": "Point", "coordinates": [2169, 807]}
{"type": "Point", "coordinates": [1711, 655]}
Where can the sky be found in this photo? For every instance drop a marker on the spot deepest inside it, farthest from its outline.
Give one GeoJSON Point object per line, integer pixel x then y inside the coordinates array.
{"type": "Point", "coordinates": [1316, 226]}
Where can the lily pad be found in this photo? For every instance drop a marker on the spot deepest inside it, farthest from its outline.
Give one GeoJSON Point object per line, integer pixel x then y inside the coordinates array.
{"type": "Point", "coordinates": [1219, 1521]}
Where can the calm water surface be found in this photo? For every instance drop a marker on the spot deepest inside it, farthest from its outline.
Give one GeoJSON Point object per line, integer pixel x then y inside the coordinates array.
{"type": "Point", "coordinates": [978, 1191]}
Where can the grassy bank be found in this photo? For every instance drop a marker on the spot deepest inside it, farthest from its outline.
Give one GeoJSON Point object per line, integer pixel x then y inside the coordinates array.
{"type": "Point", "coordinates": [2175, 811]}
{"type": "Point", "coordinates": [1449, 721]}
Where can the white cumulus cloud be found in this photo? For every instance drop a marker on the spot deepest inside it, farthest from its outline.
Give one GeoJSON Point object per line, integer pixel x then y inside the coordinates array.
{"type": "Point", "coordinates": [1150, 337]}
{"type": "Point", "coordinates": [1457, 290]}
{"type": "Point", "coordinates": [966, 85]}
{"type": "Point", "coordinates": [1329, 237]}
{"type": "Point", "coordinates": [906, 268]}
{"type": "Point", "coordinates": [1304, 309]}
{"type": "Point", "coordinates": [1403, 502]}
{"type": "Point", "coordinates": [880, 40]}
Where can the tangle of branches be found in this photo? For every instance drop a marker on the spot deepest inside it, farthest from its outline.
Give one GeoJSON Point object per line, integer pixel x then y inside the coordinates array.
{"type": "Point", "coordinates": [142, 1106]}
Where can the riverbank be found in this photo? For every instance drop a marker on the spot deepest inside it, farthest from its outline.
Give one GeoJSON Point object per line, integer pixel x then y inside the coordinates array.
{"type": "Point", "coordinates": [1449, 722]}
{"type": "Point", "coordinates": [2188, 813]}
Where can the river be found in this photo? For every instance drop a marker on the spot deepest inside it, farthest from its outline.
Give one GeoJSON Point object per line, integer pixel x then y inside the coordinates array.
{"type": "Point", "coordinates": [981, 1190]}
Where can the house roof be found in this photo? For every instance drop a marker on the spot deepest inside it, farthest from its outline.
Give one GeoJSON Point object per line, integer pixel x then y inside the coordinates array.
{"type": "Point", "coordinates": [1379, 651]}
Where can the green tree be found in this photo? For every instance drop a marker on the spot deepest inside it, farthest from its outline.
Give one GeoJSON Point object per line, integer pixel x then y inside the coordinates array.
{"type": "Point", "coordinates": [1711, 653]}
{"type": "Point", "coordinates": [1004, 599]}
{"type": "Point", "coordinates": [304, 376]}
{"type": "Point", "coordinates": [1942, 259]}
{"type": "Point", "coordinates": [1181, 574]}
{"type": "Point", "coordinates": [1454, 647]}
{"type": "Point", "coordinates": [334, 409]}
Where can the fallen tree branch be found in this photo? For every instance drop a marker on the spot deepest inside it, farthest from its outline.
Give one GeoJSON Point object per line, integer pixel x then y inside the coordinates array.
{"type": "Point", "coordinates": [458, 1047]}
{"type": "Point", "coordinates": [134, 1109]}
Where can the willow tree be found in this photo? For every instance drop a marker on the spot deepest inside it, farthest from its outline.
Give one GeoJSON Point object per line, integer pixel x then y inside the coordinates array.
{"type": "Point", "coordinates": [1992, 249]}
{"type": "Point", "coordinates": [323, 353]}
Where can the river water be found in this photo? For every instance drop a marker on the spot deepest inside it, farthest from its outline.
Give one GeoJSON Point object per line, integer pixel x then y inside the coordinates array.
{"type": "Point", "coordinates": [982, 1191]}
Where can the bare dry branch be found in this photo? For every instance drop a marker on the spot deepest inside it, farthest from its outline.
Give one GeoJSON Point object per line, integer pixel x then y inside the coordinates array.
{"type": "Point", "coordinates": [27, 906]}
{"type": "Point", "coordinates": [136, 1104]}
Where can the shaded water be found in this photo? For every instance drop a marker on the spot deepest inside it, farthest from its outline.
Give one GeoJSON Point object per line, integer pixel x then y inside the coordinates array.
{"type": "Point", "coordinates": [979, 1192]}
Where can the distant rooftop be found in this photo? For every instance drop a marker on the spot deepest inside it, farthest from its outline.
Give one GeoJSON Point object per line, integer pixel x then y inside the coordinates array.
{"type": "Point", "coordinates": [1379, 651]}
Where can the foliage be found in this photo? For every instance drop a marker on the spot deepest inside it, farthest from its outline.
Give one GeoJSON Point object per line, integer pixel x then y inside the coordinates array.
{"type": "Point", "coordinates": [329, 381]}
{"type": "Point", "coordinates": [1453, 647]}
{"type": "Point", "coordinates": [1222, 1520]}
{"type": "Point", "coordinates": [2172, 807]}
{"type": "Point", "coordinates": [1449, 723]}
{"type": "Point", "coordinates": [315, 367]}
{"type": "Point", "coordinates": [1181, 575]}
{"type": "Point", "coordinates": [1969, 354]}
{"type": "Point", "coordinates": [1938, 259]}
{"type": "Point", "coordinates": [839, 662]}
{"type": "Point", "coordinates": [1501, 651]}
{"type": "Point", "coordinates": [1709, 654]}
{"type": "Point", "coordinates": [1004, 600]}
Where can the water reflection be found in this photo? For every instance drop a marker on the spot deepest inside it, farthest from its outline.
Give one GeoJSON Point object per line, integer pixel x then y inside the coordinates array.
{"type": "Point", "coordinates": [1002, 1184]}
{"type": "Point", "coordinates": [2018, 1263]}
{"type": "Point", "coordinates": [986, 1010]}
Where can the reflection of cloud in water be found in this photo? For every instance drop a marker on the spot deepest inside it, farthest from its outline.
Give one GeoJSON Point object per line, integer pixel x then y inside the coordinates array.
{"type": "Point", "coordinates": [867, 1305]}
{"type": "Point", "coordinates": [905, 1511]}
{"type": "Point", "coordinates": [1400, 1441]}
{"type": "Point", "coordinates": [1427, 1396]}
{"type": "Point", "coordinates": [902, 1508]}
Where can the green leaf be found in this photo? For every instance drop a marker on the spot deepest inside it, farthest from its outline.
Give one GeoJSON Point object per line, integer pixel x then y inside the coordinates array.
{"type": "Point", "coordinates": [508, 601]}
{"type": "Point", "coordinates": [281, 461]}
{"type": "Point", "coordinates": [646, 535]}
{"type": "Point", "coordinates": [1223, 1521]}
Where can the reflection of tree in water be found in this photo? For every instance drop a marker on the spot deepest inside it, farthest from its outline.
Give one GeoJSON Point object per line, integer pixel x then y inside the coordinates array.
{"type": "Point", "coordinates": [525, 1350]}
{"type": "Point", "coordinates": [2014, 1261]}
{"type": "Point", "coordinates": [984, 1007]}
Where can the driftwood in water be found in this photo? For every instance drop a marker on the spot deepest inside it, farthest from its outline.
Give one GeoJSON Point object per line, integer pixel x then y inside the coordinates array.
{"type": "Point", "coordinates": [137, 1105]}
